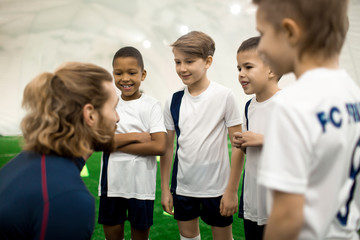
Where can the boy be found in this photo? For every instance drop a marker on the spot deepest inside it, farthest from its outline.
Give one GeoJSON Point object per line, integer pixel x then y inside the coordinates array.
{"type": "Point", "coordinates": [310, 160]}
{"type": "Point", "coordinates": [256, 78]}
{"type": "Point", "coordinates": [70, 114]}
{"type": "Point", "coordinates": [202, 184]}
{"type": "Point", "coordinates": [128, 176]}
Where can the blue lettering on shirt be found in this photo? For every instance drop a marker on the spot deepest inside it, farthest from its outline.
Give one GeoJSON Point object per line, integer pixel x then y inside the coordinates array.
{"type": "Point", "coordinates": [334, 117]}
{"type": "Point", "coordinates": [353, 110]}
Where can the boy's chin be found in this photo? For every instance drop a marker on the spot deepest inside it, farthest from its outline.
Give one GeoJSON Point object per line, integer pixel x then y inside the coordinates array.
{"type": "Point", "coordinates": [248, 91]}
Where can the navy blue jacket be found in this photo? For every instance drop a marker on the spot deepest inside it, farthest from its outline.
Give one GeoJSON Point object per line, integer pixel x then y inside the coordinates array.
{"type": "Point", "coordinates": [44, 197]}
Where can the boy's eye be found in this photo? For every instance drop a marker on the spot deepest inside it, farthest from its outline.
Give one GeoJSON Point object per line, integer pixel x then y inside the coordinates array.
{"type": "Point", "coordinates": [249, 67]}
{"type": "Point", "coordinates": [118, 73]}
{"type": "Point", "coordinates": [189, 61]}
{"type": "Point", "coordinates": [239, 69]}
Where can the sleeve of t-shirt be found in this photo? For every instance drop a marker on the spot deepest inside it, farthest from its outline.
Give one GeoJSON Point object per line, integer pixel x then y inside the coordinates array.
{"type": "Point", "coordinates": [71, 216]}
{"type": "Point", "coordinates": [156, 119]}
{"type": "Point", "coordinates": [168, 120]}
{"type": "Point", "coordinates": [286, 154]}
{"type": "Point", "coordinates": [232, 114]}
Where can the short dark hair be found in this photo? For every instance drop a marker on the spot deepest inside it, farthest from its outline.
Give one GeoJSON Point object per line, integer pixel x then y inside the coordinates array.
{"type": "Point", "coordinates": [249, 44]}
{"type": "Point", "coordinates": [129, 52]}
{"type": "Point", "coordinates": [195, 43]}
{"type": "Point", "coordinates": [252, 44]}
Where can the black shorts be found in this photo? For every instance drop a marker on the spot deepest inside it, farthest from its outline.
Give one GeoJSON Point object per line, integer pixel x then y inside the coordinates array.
{"type": "Point", "coordinates": [253, 231]}
{"type": "Point", "coordinates": [208, 209]}
{"type": "Point", "coordinates": [116, 210]}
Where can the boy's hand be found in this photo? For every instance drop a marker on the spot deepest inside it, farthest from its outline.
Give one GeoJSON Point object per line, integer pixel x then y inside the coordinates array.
{"type": "Point", "coordinates": [247, 139]}
{"type": "Point", "coordinates": [228, 204]}
{"type": "Point", "coordinates": [143, 137]}
{"type": "Point", "coordinates": [167, 201]}
{"type": "Point", "coordinates": [237, 139]}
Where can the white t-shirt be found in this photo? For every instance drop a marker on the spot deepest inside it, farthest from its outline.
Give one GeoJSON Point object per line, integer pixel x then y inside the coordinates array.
{"type": "Point", "coordinates": [311, 143]}
{"type": "Point", "coordinates": [129, 175]}
{"type": "Point", "coordinates": [203, 165]}
{"type": "Point", "coordinates": [254, 195]}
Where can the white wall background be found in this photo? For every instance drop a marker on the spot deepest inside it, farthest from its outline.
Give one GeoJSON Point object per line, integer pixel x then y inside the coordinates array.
{"type": "Point", "coordinates": [38, 35]}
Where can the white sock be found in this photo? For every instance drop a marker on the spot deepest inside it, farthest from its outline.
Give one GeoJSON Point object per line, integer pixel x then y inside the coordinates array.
{"type": "Point", "coordinates": [194, 238]}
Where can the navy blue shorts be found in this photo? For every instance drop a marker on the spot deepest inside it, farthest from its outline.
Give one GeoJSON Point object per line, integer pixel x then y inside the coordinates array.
{"type": "Point", "coordinates": [253, 231]}
{"type": "Point", "coordinates": [208, 209]}
{"type": "Point", "coordinates": [116, 210]}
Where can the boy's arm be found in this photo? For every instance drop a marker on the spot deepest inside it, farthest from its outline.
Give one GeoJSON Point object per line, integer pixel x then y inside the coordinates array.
{"type": "Point", "coordinates": [156, 146]}
{"type": "Point", "coordinates": [229, 201]}
{"type": "Point", "coordinates": [122, 139]}
{"type": "Point", "coordinates": [248, 139]}
{"type": "Point", "coordinates": [286, 217]}
{"type": "Point", "coordinates": [165, 169]}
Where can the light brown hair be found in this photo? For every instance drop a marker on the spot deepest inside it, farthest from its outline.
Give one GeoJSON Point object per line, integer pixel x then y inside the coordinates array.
{"type": "Point", "coordinates": [323, 22]}
{"type": "Point", "coordinates": [54, 123]}
{"type": "Point", "coordinates": [195, 43]}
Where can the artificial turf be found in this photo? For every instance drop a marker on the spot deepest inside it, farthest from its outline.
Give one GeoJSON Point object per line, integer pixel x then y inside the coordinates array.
{"type": "Point", "coordinates": [164, 228]}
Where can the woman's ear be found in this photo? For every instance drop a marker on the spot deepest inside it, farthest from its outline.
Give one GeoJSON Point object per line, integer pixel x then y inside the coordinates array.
{"type": "Point", "coordinates": [292, 31]}
{"type": "Point", "coordinates": [90, 114]}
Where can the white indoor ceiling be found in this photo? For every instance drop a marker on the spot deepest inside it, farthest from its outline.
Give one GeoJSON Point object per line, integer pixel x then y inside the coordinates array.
{"type": "Point", "coordinates": [37, 36]}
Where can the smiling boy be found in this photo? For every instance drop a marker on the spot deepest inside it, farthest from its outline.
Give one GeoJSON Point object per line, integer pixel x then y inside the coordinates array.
{"type": "Point", "coordinates": [201, 115]}
{"type": "Point", "coordinates": [255, 77]}
{"type": "Point", "coordinates": [128, 175]}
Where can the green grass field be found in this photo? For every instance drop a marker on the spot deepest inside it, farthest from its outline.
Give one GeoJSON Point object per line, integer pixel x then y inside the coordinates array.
{"type": "Point", "coordinates": [164, 228]}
